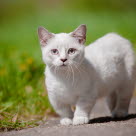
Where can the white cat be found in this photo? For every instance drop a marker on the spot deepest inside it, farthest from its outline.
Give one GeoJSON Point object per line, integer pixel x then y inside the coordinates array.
{"type": "Point", "coordinates": [78, 75]}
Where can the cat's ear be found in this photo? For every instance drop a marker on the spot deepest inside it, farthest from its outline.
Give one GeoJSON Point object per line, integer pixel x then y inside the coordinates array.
{"type": "Point", "coordinates": [80, 34]}
{"type": "Point", "coordinates": [44, 36]}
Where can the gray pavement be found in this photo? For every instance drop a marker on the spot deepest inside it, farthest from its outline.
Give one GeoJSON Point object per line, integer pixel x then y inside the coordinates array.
{"type": "Point", "coordinates": [100, 124]}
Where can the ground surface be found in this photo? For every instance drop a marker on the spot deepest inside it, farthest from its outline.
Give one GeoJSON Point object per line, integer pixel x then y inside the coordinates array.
{"type": "Point", "coordinates": [100, 124]}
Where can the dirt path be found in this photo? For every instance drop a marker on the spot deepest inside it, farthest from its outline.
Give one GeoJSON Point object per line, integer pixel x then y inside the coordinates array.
{"type": "Point", "coordinates": [100, 124]}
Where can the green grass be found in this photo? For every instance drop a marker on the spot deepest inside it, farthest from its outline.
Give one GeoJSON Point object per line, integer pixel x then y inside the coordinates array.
{"type": "Point", "coordinates": [10, 122]}
{"type": "Point", "coordinates": [22, 88]}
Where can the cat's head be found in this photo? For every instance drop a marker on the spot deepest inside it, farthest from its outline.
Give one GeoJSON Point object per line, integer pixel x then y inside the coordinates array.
{"type": "Point", "coordinates": [64, 49]}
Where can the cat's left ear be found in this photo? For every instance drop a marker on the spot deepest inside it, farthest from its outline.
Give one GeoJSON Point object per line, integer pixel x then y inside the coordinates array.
{"type": "Point", "coordinates": [80, 34]}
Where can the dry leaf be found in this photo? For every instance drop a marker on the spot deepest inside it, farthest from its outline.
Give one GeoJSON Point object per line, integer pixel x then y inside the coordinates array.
{"type": "Point", "coordinates": [14, 119]}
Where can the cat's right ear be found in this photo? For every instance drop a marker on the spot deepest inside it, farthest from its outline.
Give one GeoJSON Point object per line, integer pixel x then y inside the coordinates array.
{"type": "Point", "coordinates": [44, 35]}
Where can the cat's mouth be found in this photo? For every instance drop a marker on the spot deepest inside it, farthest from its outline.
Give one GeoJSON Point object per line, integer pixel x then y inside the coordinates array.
{"type": "Point", "coordinates": [63, 65]}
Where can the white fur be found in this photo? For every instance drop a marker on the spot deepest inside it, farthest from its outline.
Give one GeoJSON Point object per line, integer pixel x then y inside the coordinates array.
{"type": "Point", "coordinates": [104, 68]}
{"type": "Point", "coordinates": [66, 121]}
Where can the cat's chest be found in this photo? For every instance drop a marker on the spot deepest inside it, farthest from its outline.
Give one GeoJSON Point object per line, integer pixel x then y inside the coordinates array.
{"type": "Point", "coordinates": [67, 90]}
{"type": "Point", "coordinates": [63, 85]}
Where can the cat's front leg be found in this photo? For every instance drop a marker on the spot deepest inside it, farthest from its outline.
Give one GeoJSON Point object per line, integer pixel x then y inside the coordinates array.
{"type": "Point", "coordinates": [64, 110]}
{"type": "Point", "coordinates": [82, 112]}
{"type": "Point", "coordinates": [66, 114]}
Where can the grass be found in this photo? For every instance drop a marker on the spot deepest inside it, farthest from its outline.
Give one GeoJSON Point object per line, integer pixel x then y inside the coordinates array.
{"type": "Point", "coordinates": [10, 122]}
{"type": "Point", "coordinates": [22, 89]}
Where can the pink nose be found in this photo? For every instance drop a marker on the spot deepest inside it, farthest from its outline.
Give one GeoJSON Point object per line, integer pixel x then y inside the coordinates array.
{"type": "Point", "coordinates": [63, 60]}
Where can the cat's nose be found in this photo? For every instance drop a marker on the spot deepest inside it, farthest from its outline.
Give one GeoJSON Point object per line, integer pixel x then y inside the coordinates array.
{"type": "Point", "coordinates": [63, 60]}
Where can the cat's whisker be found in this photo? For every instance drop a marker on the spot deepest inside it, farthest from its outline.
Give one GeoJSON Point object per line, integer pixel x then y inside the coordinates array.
{"type": "Point", "coordinates": [72, 74]}
{"type": "Point", "coordinates": [78, 65]}
{"type": "Point", "coordinates": [81, 60]}
{"type": "Point", "coordinates": [55, 70]}
{"type": "Point", "coordinates": [68, 72]}
{"type": "Point", "coordinates": [76, 62]}
{"type": "Point", "coordinates": [52, 66]}
{"type": "Point", "coordinates": [77, 68]}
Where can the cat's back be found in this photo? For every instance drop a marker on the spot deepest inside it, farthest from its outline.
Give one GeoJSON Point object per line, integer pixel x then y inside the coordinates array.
{"type": "Point", "coordinates": [109, 46]}
{"type": "Point", "coordinates": [110, 42]}
{"type": "Point", "coordinates": [112, 56]}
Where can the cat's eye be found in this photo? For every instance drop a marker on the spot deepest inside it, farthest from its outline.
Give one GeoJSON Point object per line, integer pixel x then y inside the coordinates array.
{"type": "Point", "coordinates": [54, 51]}
{"type": "Point", "coordinates": [71, 51]}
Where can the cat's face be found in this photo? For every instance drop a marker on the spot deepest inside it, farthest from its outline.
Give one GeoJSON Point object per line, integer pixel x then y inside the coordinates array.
{"type": "Point", "coordinates": [63, 50]}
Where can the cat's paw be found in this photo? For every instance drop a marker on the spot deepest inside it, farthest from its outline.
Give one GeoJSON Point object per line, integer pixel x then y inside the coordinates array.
{"type": "Point", "coordinates": [119, 114]}
{"type": "Point", "coordinates": [66, 121]}
{"type": "Point", "coordinates": [80, 120]}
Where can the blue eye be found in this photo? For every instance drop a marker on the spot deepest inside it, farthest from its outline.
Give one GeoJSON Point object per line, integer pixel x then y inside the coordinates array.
{"type": "Point", "coordinates": [54, 51]}
{"type": "Point", "coordinates": [71, 51]}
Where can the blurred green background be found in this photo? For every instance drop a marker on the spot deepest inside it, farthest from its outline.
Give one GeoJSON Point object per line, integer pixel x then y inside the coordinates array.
{"type": "Point", "coordinates": [21, 68]}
